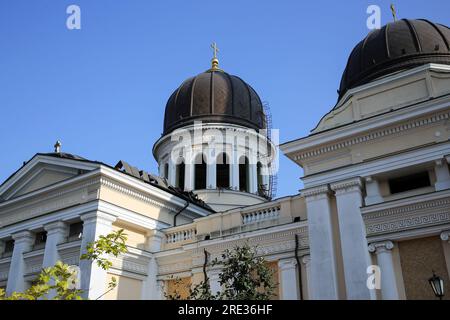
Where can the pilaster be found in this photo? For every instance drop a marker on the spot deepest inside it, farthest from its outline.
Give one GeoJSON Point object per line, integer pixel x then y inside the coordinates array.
{"type": "Point", "coordinates": [93, 278]}
{"type": "Point", "coordinates": [352, 229]}
{"type": "Point", "coordinates": [23, 242]}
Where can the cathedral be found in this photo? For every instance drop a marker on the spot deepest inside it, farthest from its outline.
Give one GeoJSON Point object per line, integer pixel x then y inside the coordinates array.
{"type": "Point", "coordinates": [372, 221]}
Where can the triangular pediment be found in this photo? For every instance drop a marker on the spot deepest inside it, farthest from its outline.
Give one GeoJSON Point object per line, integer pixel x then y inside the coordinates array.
{"type": "Point", "coordinates": [41, 172]}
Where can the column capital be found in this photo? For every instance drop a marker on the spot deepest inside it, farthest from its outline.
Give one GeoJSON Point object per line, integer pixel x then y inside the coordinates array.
{"type": "Point", "coordinates": [381, 246]}
{"type": "Point", "coordinates": [23, 236]}
{"type": "Point", "coordinates": [348, 185]}
{"type": "Point", "coordinates": [306, 260]}
{"type": "Point", "coordinates": [98, 216]}
{"type": "Point", "coordinates": [441, 162]}
{"type": "Point", "coordinates": [445, 235]}
{"type": "Point", "coordinates": [319, 192]}
{"type": "Point", "coordinates": [155, 233]}
{"type": "Point", "coordinates": [289, 263]}
{"type": "Point", "coordinates": [55, 226]}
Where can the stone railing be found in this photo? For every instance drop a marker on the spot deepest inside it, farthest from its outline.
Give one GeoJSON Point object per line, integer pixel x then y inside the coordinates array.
{"type": "Point", "coordinates": [262, 214]}
{"type": "Point", "coordinates": [181, 234]}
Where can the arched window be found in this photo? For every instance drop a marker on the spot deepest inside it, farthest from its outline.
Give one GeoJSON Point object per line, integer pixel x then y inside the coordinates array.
{"type": "Point", "coordinates": [243, 174]}
{"type": "Point", "coordinates": [200, 172]}
{"type": "Point", "coordinates": [223, 171]}
{"type": "Point", "coordinates": [166, 171]}
{"type": "Point", "coordinates": [180, 169]}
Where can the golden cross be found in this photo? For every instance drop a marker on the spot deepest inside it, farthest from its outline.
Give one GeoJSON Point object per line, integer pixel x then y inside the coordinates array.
{"type": "Point", "coordinates": [394, 14]}
{"type": "Point", "coordinates": [215, 49]}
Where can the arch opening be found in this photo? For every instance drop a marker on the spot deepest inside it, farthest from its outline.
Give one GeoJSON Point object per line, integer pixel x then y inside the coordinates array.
{"type": "Point", "coordinates": [200, 172]}
{"type": "Point", "coordinates": [222, 171]}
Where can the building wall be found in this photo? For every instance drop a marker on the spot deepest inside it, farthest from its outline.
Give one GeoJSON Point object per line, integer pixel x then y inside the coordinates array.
{"type": "Point", "coordinates": [275, 278]}
{"type": "Point", "coordinates": [418, 258]}
{"type": "Point", "coordinates": [179, 286]}
{"type": "Point", "coordinates": [126, 289]}
{"type": "Point", "coordinates": [135, 238]}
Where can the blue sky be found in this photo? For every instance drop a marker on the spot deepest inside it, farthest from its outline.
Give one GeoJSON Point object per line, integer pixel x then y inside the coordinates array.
{"type": "Point", "coordinates": [102, 90]}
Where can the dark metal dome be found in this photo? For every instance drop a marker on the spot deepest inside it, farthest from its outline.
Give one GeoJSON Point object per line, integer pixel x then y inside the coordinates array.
{"type": "Point", "coordinates": [214, 96]}
{"type": "Point", "coordinates": [400, 45]}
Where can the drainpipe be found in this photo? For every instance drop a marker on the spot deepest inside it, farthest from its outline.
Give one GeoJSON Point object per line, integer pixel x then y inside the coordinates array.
{"type": "Point", "coordinates": [299, 267]}
{"type": "Point", "coordinates": [176, 214]}
{"type": "Point", "coordinates": [205, 275]}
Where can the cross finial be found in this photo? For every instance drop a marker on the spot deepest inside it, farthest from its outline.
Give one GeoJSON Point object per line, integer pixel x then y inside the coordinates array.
{"type": "Point", "coordinates": [394, 14]}
{"type": "Point", "coordinates": [214, 61]}
{"type": "Point", "coordinates": [215, 50]}
{"type": "Point", "coordinates": [57, 146]}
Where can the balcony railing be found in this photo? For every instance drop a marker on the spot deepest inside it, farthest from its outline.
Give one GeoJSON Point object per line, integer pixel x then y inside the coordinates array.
{"type": "Point", "coordinates": [263, 214]}
{"type": "Point", "coordinates": [184, 234]}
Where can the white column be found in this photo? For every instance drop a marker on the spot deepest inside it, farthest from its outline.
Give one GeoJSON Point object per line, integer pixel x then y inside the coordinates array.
{"type": "Point", "coordinates": [189, 177]}
{"type": "Point", "coordinates": [322, 250]}
{"type": "Point", "coordinates": [445, 236]}
{"type": "Point", "coordinates": [150, 289]}
{"type": "Point", "coordinates": [56, 233]}
{"type": "Point", "coordinates": [214, 284]}
{"type": "Point", "coordinates": [373, 191]}
{"type": "Point", "coordinates": [352, 230]}
{"type": "Point", "coordinates": [253, 178]}
{"type": "Point", "coordinates": [23, 242]}
{"type": "Point", "coordinates": [442, 175]}
{"type": "Point", "coordinates": [172, 172]}
{"type": "Point", "coordinates": [93, 278]}
{"type": "Point", "coordinates": [383, 251]}
{"type": "Point", "coordinates": [211, 179]}
{"type": "Point", "coordinates": [306, 261]}
{"type": "Point", "coordinates": [288, 279]}
{"type": "Point", "coordinates": [234, 168]}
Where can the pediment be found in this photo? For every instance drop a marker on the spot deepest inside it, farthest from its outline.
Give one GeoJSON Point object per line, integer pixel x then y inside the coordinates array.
{"type": "Point", "coordinates": [41, 172]}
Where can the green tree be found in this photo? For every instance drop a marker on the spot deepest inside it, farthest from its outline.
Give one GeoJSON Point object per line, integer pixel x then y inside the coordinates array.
{"type": "Point", "coordinates": [244, 276]}
{"type": "Point", "coordinates": [61, 278]}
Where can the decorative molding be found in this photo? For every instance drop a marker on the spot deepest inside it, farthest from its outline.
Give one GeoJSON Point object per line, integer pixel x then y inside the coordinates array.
{"type": "Point", "coordinates": [374, 135]}
{"type": "Point", "coordinates": [408, 223]}
{"type": "Point", "coordinates": [44, 204]}
{"type": "Point", "coordinates": [130, 262]}
{"type": "Point", "coordinates": [428, 210]}
{"type": "Point", "coordinates": [135, 194]}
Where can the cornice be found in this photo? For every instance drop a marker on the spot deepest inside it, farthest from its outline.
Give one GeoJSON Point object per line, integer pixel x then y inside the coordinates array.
{"type": "Point", "coordinates": [135, 194]}
{"type": "Point", "coordinates": [374, 135]}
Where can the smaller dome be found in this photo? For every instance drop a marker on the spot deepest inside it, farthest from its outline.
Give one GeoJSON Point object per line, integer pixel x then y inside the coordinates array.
{"type": "Point", "coordinates": [401, 45]}
{"type": "Point", "coordinates": [214, 96]}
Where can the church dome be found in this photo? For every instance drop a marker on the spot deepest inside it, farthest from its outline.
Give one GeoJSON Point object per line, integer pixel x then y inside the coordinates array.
{"type": "Point", "coordinates": [214, 96]}
{"type": "Point", "coordinates": [401, 45]}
